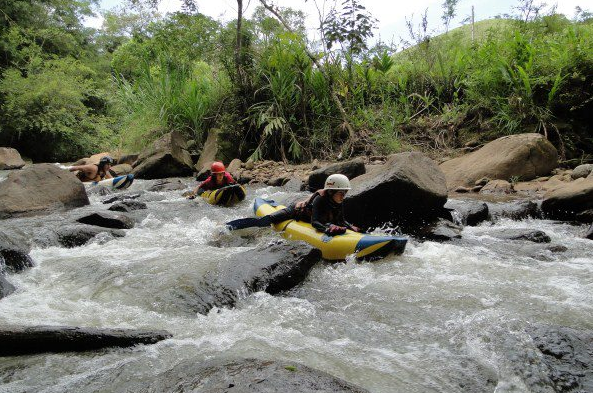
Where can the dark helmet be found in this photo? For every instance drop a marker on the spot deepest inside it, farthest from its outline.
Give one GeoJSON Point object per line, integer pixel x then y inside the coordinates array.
{"type": "Point", "coordinates": [105, 160]}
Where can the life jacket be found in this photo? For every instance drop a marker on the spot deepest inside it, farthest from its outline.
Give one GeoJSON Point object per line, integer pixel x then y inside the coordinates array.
{"type": "Point", "coordinates": [304, 208]}
{"type": "Point", "coordinates": [210, 182]}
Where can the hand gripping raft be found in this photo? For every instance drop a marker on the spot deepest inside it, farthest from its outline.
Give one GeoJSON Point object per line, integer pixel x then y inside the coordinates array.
{"type": "Point", "coordinates": [364, 246]}
{"type": "Point", "coordinates": [117, 183]}
{"type": "Point", "coordinates": [225, 196]}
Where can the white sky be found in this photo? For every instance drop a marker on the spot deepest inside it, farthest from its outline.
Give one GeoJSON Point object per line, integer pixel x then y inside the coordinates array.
{"type": "Point", "coordinates": [390, 13]}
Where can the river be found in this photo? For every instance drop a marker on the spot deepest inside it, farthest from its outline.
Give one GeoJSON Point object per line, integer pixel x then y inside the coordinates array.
{"type": "Point", "coordinates": [439, 318]}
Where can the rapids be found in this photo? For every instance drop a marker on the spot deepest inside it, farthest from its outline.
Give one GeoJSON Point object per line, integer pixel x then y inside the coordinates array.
{"type": "Point", "coordinates": [439, 318]}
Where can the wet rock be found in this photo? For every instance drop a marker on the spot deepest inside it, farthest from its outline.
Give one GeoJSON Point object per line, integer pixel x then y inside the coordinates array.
{"type": "Point", "coordinates": [127, 206]}
{"type": "Point", "coordinates": [557, 248]}
{"type": "Point", "coordinates": [108, 220]}
{"type": "Point", "coordinates": [468, 212]}
{"type": "Point", "coordinates": [519, 210]}
{"type": "Point", "coordinates": [277, 181]}
{"type": "Point", "coordinates": [589, 234]}
{"type": "Point", "coordinates": [497, 187]}
{"type": "Point", "coordinates": [209, 151]}
{"type": "Point", "coordinates": [40, 188]}
{"type": "Point", "coordinates": [166, 157]}
{"type": "Point", "coordinates": [585, 216]}
{"type": "Point", "coordinates": [270, 268]}
{"type": "Point", "coordinates": [524, 155]}
{"type": "Point", "coordinates": [10, 159]}
{"type": "Point", "coordinates": [6, 288]}
{"type": "Point", "coordinates": [581, 171]}
{"type": "Point", "coordinates": [246, 375]}
{"type": "Point", "coordinates": [293, 184]}
{"type": "Point", "coordinates": [120, 197]}
{"type": "Point", "coordinates": [522, 234]}
{"type": "Point", "coordinates": [100, 190]}
{"type": "Point", "coordinates": [568, 200]}
{"type": "Point", "coordinates": [409, 188]}
{"type": "Point", "coordinates": [568, 354]}
{"type": "Point", "coordinates": [440, 230]}
{"type": "Point", "coordinates": [122, 169]}
{"type": "Point", "coordinates": [77, 235]}
{"type": "Point", "coordinates": [129, 159]}
{"type": "Point", "coordinates": [351, 169]}
{"type": "Point", "coordinates": [167, 185]}
{"type": "Point", "coordinates": [40, 339]}
{"type": "Point", "coordinates": [14, 251]}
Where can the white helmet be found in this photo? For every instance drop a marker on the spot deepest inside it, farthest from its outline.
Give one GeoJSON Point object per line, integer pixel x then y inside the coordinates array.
{"type": "Point", "coordinates": [337, 182]}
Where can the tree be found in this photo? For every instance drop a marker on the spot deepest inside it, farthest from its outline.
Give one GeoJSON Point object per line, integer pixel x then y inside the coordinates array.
{"type": "Point", "coordinates": [448, 12]}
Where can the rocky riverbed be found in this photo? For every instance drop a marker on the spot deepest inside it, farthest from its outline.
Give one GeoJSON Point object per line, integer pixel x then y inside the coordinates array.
{"type": "Point", "coordinates": [480, 312]}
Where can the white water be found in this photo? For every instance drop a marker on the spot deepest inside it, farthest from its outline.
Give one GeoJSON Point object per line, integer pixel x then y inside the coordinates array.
{"type": "Point", "coordinates": [440, 318]}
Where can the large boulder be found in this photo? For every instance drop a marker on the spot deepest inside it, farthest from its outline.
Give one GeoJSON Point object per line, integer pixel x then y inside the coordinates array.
{"type": "Point", "coordinates": [209, 151]}
{"type": "Point", "coordinates": [39, 339]}
{"type": "Point", "coordinates": [166, 157]}
{"type": "Point", "coordinates": [567, 201]}
{"type": "Point", "coordinates": [351, 169]}
{"type": "Point", "coordinates": [122, 169]}
{"type": "Point", "coordinates": [270, 268]}
{"type": "Point", "coordinates": [524, 156]}
{"type": "Point", "coordinates": [245, 375]}
{"type": "Point", "coordinates": [582, 171]}
{"type": "Point", "coordinates": [10, 159]}
{"type": "Point", "coordinates": [468, 212]}
{"type": "Point", "coordinates": [409, 188]}
{"type": "Point", "coordinates": [14, 251]}
{"type": "Point", "coordinates": [108, 220]}
{"type": "Point", "coordinates": [38, 189]}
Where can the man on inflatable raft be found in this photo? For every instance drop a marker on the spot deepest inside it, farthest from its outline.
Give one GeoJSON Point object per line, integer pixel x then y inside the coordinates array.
{"type": "Point", "coordinates": [219, 178]}
{"type": "Point", "coordinates": [323, 209]}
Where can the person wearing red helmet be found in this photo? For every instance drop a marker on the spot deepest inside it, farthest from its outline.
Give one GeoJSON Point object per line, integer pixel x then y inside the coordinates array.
{"type": "Point", "coordinates": [219, 178]}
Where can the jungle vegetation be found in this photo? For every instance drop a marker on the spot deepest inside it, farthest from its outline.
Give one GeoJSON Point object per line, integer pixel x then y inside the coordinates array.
{"type": "Point", "coordinates": [67, 90]}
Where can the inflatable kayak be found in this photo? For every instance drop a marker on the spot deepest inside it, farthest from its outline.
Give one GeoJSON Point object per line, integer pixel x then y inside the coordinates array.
{"type": "Point", "coordinates": [364, 246]}
{"type": "Point", "coordinates": [117, 183]}
{"type": "Point", "coordinates": [225, 196]}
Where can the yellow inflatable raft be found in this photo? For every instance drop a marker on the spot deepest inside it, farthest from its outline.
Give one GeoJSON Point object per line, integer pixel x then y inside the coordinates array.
{"type": "Point", "coordinates": [364, 246]}
{"type": "Point", "coordinates": [225, 196]}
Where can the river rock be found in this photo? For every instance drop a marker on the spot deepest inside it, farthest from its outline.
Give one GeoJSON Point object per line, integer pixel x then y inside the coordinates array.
{"type": "Point", "coordinates": [441, 230]}
{"type": "Point", "coordinates": [77, 235]}
{"type": "Point", "coordinates": [21, 340]}
{"type": "Point", "coordinates": [409, 188]}
{"type": "Point", "coordinates": [270, 268]}
{"type": "Point", "coordinates": [121, 197]}
{"type": "Point", "coordinates": [581, 171]}
{"type": "Point", "coordinates": [129, 159]}
{"type": "Point", "coordinates": [14, 251]}
{"type": "Point", "coordinates": [234, 167]}
{"type": "Point", "coordinates": [468, 212]}
{"type": "Point", "coordinates": [516, 210]}
{"type": "Point", "coordinates": [127, 206]}
{"type": "Point", "coordinates": [10, 159]}
{"type": "Point", "coordinates": [38, 189]}
{"type": "Point", "coordinates": [497, 187]}
{"type": "Point", "coordinates": [167, 185]}
{"type": "Point", "coordinates": [108, 220]}
{"type": "Point", "coordinates": [522, 234]}
{"type": "Point", "coordinates": [277, 181]}
{"type": "Point", "coordinates": [566, 201]}
{"type": "Point", "coordinates": [246, 376]}
{"type": "Point", "coordinates": [526, 156]}
{"type": "Point", "coordinates": [166, 157]}
{"type": "Point", "coordinates": [351, 169]}
{"type": "Point", "coordinates": [122, 169]}
{"type": "Point", "coordinates": [209, 151]}
{"type": "Point", "coordinates": [568, 354]}
{"type": "Point", "coordinates": [6, 288]}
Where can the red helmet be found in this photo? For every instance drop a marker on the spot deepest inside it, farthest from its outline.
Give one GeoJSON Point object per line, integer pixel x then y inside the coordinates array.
{"type": "Point", "coordinates": [217, 167]}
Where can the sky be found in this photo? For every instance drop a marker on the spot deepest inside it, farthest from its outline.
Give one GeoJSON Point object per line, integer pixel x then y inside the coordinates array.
{"type": "Point", "coordinates": [391, 14]}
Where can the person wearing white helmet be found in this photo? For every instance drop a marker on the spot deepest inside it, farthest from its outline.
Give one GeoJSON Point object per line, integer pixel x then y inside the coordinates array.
{"type": "Point", "coordinates": [323, 209]}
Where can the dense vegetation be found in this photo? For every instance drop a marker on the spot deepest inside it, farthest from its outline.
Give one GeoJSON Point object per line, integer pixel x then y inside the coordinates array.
{"type": "Point", "coordinates": [67, 91]}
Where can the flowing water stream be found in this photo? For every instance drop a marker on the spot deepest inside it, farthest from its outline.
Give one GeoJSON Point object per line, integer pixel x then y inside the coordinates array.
{"type": "Point", "coordinates": [439, 318]}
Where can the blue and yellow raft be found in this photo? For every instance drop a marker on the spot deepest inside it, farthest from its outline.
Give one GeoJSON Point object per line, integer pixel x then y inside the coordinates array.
{"type": "Point", "coordinates": [364, 246]}
{"type": "Point", "coordinates": [225, 196]}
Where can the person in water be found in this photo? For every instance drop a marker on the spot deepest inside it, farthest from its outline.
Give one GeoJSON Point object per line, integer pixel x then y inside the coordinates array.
{"type": "Point", "coordinates": [219, 178]}
{"type": "Point", "coordinates": [94, 172]}
{"type": "Point", "coordinates": [323, 209]}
